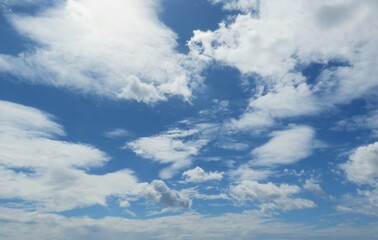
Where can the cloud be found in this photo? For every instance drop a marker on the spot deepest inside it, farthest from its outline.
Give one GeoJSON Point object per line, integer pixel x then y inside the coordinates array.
{"type": "Point", "coordinates": [364, 202]}
{"type": "Point", "coordinates": [18, 224]}
{"type": "Point", "coordinates": [275, 53]}
{"type": "Point", "coordinates": [362, 166]}
{"type": "Point", "coordinates": [242, 5]}
{"type": "Point", "coordinates": [48, 173]}
{"type": "Point", "coordinates": [116, 49]}
{"type": "Point", "coordinates": [312, 186]}
{"type": "Point", "coordinates": [158, 191]}
{"type": "Point", "coordinates": [270, 195]}
{"type": "Point", "coordinates": [285, 147]}
{"type": "Point", "coordinates": [368, 121]}
{"type": "Point", "coordinates": [117, 133]}
{"type": "Point", "coordinates": [246, 172]}
{"type": "Point", "coordinates": [175, 147]}
{"type": "Point", "coordinates": [197, 175]}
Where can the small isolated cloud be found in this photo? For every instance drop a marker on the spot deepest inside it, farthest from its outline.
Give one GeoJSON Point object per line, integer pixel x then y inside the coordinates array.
{"type": "Point", "coordinates": [246, 172]}
{"type": "Point", "coordinates": [159, 192]}
{"type": "Point", "coordinates": [313, 186]}
{"type": "Point", "coordinates": [362, 166]}
{"type": "Point", "coordinates": [199, 175]}
{"type": "Point", "coordinates": [117, 133]}
{"type": "Point", "coordinates": [285, 147]}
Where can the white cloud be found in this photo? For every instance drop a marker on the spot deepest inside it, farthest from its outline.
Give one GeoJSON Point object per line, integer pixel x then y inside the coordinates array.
{"type": "Point", "coordinates": [246, 172]}
{"type": "Point", "coordinates": [275, 40]}
{"type": "Point", "coordinates": [118, 49]}
{"type": "Point", "coordinates": [270, 196]}
{"type": "Point", "coordinates": [285, 147]}
{"type": "Point", "coordinates": [362, 166]}
{"type": "Point", "coordinates": [247, 190]}
{"type": "Point", "coordinates": [158, 191]}
{"type": "Point", "coordinates": [49, 173]}
{"type": "Point", "coordinates": [364, 202]}
{"type": "Point", "coordinates": [313, 186]}
{"type": "Point", "coordinates": [199, 175]}
{"type": "Point", "coordinates": [175, 147]}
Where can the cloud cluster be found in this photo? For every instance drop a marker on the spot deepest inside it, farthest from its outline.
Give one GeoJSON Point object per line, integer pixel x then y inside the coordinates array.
{"type": "Point", "coordinates": [117, 49]}
{"type": "Point", "coordinates": [158, 191]}
{"type": "Point", "coordinates": [277, 41]}
{"type": "Point", "coordinates": [50, 173]}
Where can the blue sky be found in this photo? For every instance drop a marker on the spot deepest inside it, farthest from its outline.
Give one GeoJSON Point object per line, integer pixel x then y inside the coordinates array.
{"type": "Point", "coordinates": [190, 119]}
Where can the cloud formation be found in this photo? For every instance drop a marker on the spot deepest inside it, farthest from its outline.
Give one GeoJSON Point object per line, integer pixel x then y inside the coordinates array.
{"type": "Point", "coordinates": [257, 42]}
{"type": "Point", "coordinates": [117, 49]}
{"type": "Point", "coordinates": [285, 147]}
{"type": "Point", "coordinates": [197, 174]}
{"type": "Point", "coordinates": [175, 147]}
{"type": "Point", "coordinates": [362, 166]}
{"type": "Point", "coordinates": [49, 173]}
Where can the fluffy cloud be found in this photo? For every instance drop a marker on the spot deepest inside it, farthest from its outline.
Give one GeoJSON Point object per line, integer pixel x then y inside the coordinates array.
{"type": "Point", "coordinates": [285, 147]}
{"type": "Point", "coordinates": [270, 195]}
{"type": "Point", "coordinates": [117, 49]}
{"type": "Point", "coordinates": [258, 41]}
{"type": "Point", "coordinates": [47, 172]}
{"type": "Point", "coordinates": [362, 166]}
{"type": "Point", "coordinates": [199, 175]}
{"type": "Point", "coordinates": [158, 191]}
{"type": "Point", "coordinates": [175, 147]}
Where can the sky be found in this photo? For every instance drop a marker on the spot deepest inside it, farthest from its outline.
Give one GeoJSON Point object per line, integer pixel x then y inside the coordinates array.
{"type": "Point", "coordinates": [188, 119]}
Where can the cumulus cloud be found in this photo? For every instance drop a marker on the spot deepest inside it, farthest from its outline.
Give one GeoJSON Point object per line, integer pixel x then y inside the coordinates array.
{"type": "Point", "coordinates": [118, 49]}
{"type": "Point", "coordinates": [285, 147]}
{"type": "Point", "coordinates": [257, 41]}
{"type": "Point", "coordinates": [175, 147]}
{"type": "Point", "coordinates": [158, 191]}
{"type": "Point", "coordinates": [362, 166]}
{"type": "Point", "coordinates": [47, 172]}
{"type": "Point", "coordinates": [199, 175]}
